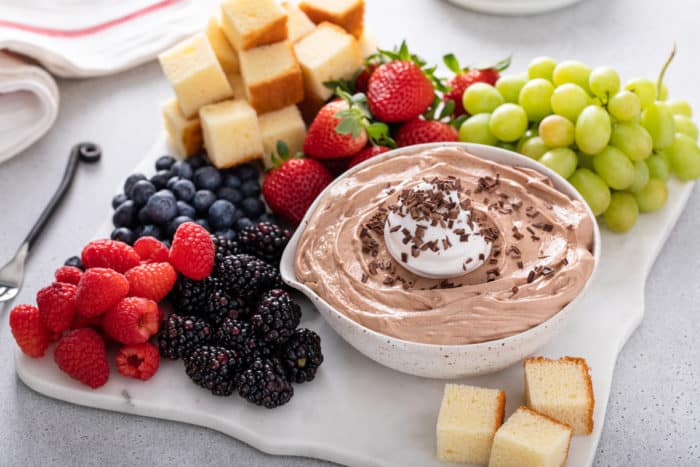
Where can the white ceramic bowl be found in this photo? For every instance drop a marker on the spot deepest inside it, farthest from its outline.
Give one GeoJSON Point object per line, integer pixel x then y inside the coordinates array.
{"type": "Point", "coordinates": [513, 7]}
{"type": "Point", "coordinates": [443, 361]}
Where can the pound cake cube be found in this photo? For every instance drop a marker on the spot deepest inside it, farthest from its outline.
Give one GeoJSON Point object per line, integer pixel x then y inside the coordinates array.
{"type": "Point", "coordinates": [298, 24]}
{"type": "Point", "coordinates": [348, 14]}
{"type": "Point", "coordinates": [328, 53]}
{"type": "Point", "coordinates": [530, 439]}
{"type": "Point", "coordinates": [272, 77]}
{"type": "Point", "coordinates": [468, 420]}
{"type": "Point", "coordinates": [227, 56]}
{"type": "Point", "coordinates": [195, 74]}
{"type": "Point", "coordinates": [238, 86]}
{"type": "Point", "coordinates": [282, 125]}
{"type": "Point", "coordinates": [367, 43]}
{"type": "Point", "coordinates": [185, 133]}
{"type": "Point", "coordinates": [561, 389]}
{"type": "Point", "coordinates": [231, 133]}
{"type": "Point", "coordinates": [252, 23]}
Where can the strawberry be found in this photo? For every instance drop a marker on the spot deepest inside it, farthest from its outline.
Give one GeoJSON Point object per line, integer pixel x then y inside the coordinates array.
{"type": "Point", "coordinates": [336, 166]}
{"type": "Point", "coordinates": [29, 330]}
{"type": "Point", "coordinates": [362, 78]}
{"type": "Point", "coordinates": [151, 280]}
{"type": "Point", "coordinates": [192, 252]}
{"type": "Point", "coordinates": [110, 254]}
{"type": "Point", "coordinates": [335, 132]}
{"type": "Point", "coordinates": [399, 91]}
{"type": "Point", "coordinates": [132, 321]}
{"type": "Point", "coordinates": [99, 290]}
{"type": "Point", "coordinates": [57, 305]}
{"type": "Point", "coordinates": [419, 131]}
{"type": "Point", "coordinates": [138, 361]}
{"type": "Point", "coordinates": [68, 275]}
{"type": "Point", "coordinates": [151, 250]}
{"type": "Point", "coordinates": [464, 78]}
{"type": "Point", "coordinates": [367, 153]}
{"type": "Point", "coordinates": [81, 354]}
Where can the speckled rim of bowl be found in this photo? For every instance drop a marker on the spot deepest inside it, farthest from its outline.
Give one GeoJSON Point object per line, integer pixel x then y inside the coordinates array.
{"type": "Point", "coordinates": [287, 268]}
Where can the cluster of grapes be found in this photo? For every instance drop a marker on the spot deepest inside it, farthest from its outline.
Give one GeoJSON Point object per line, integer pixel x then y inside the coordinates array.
{"type": "Point", "coordinates": [616, 146]}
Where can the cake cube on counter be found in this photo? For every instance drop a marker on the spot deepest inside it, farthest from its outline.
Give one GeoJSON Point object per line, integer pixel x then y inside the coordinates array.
{"type": "Point", "coordinates": [185, 133]}
{"type": "Point", "coordinates": [282, 125]}
{"type": "Point", "coordinates": [227, 56]}
{"type": "Point", "coordinates": [231, 133]}
{"type": "Point", "coordinates": [252, 23]}
{"type": "Point", "coordinates": [348, 14]}
{"type": "Point", "coordinates": [298, 24]}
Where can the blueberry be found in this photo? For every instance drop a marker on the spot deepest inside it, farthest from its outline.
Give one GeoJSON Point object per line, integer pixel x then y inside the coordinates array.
{"type": "Point", "coordinates": [246, 172]}
{"type": "Point", "coordinates": [229, 194]}
{"type": "Point", "coordinates": [125, 214]}
{"type": "Point", "coordinates": [150, 230]}
{"type": "Point", "coordinates": [141, 191]}
{"type": "Point", "coordinates": [184, 209]}
{"type": "Point", "coordinates": [182, 170]}
{"type": "Point", "coordinates": [231, 181]}
{"type": "Point", "coordinates": [117, 200]}
{"type": "Point", "coordinates": [131, 180]}
{"type": "Point", "coordinates": [123, 234]}
{"type": "Point", "coordinates": [267, 217]}
{"type": "Point", "coordinates": [74, 261]}
{"type": "Point", "coordinates": [203, 200]}
{"type": "Point", "coordinates": [253, 207]}
{"type": "Point", "coordinates": [222, 214]}
{"type": "Point", "coordinates": [160, 179]}
{"type": "Point", "coordinates": [171, 182]}
{"type": "Point", "coordinates": [197, 161]}
{"type": "Point", "coordinates": [143, 216]}
{"type": "Point", "coordinates": [161, 208]}
{"type": "Point", "coordinates": [175, 223]}
{"type": "Point", "coordinates": [168, 193]}
{"type": "Point", "coordinates": [243, 222]}
{"type": "Point", "coordinates": [204, 223]}
{"type": "Point", "coordinates": [250, 188]}
{"type": "Point", "coordinates": [207, 178]}
{"type": "Point", "coordinates": [228, 234]}
{"type": "Point", "coordinates": [184, 190]}
{"type": "Point", "coordinates": [165, 162]}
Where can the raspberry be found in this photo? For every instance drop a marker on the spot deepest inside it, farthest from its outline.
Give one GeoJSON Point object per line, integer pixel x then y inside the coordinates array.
{"type": "Point", "coordinates": [81, 354]}
{"type": "Point", "coordinates": [132, 321]}
{"type": "Point", "coordinates": [29, 330]}
{"type": "Point", "coordinates": [68, 275]}
{"type": "Point", "coordinates": [99, 290]}
{"type": "Point", "coordinates": [57, 305]}
{"type": "Point", "coordinates": [192, 253]}
{"type": "Point", "coordinates": [151, 250]}
{"type": "Point", "coordinates": [152, 280]}
{"type": "Point", "coordinates": [138, 361]}
{"type": "Point", "coordinates": [80, 322]}
{"type": "Point", "coordinates": [110, 254]}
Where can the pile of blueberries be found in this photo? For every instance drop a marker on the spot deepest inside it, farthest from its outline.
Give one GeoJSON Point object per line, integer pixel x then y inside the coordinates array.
{"type": "Point", "coordinates": [192, 190]}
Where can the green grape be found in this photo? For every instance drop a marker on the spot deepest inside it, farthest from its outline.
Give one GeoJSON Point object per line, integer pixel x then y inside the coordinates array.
{"type": "Point", "coordinates": [561, 160]}
{"type": "Point", "coordinates": [641, 176]}
{"type": "Point", "coordinates": [632, 139]}
{"type": "Point", "coordinates": [534, 147]}
{"type": "Point", "coordinates": [585, 161]}
{"type": "Point", "coordinates": [624, 106]}
{"type": "Point", "coordinates": [593, 189]}
{"type": "Point", "coordinates": [481, 98]}
{"type": "Point", "coordinates": [686, 126]}
{"type": "Point", "coordinates": [593, 129]}
{"type": "Point", "coordinates": [476, 129]}
{"type": "Point", "coordinates": [644, 88]}
{"type": "Point", "coordinates": [684, 157]}
{"type": "Point", "coordinates": [571, 71]}
{"type": "Point", "coordinates": [663, 93]}
{"type": "Point", "coordinates": [622, 213]}
{"type": "Point", "coordinates": [678, 107]}
{"type": "Point", "coordinates": [604, 82]}
{"type": "Point", "coordinates": [541, 67]}
{"type": "Point", "coordinates": [614, 167]}
{"type": "Point", "coordinates": [510, 85]}
{"type": "Point", "coordinates": [508, 122]}
{"type": "Point", "coordinates": [568, 100]}
{"type": "Point", "coordinates": [529, 133]}
{"type": "Point", "coordinates": [658, 121]}
{"type": "Point", "coordinates": [556, 131]}
{"type": "Point", "coordinates": [653, 196]}
{"type": "Point", "coordinates": [658, 167]}
{"type": "Point", "coordinates": [535, 98]}
{"type": "Point", "coordinates": [509, 146]}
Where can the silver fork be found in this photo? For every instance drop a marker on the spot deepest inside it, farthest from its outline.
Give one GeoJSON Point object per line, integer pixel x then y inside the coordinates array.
{"type": "Point", "coordinates": [12, 274]}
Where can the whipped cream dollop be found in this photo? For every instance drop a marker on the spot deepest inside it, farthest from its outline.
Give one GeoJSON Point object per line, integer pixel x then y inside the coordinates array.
{"type": "Point", "coordinates": [430, 231]}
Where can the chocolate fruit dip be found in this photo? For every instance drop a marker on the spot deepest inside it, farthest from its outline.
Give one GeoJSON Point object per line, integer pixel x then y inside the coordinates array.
{"type": "Point", "coordinates": [441, 247]}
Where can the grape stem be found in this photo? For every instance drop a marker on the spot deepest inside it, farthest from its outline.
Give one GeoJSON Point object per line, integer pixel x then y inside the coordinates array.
{"type": "Point", "coordinates": [659, 82]}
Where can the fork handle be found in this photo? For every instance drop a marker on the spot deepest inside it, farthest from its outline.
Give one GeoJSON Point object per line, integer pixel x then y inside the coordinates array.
{"type": "Point", "coordinates": [86, 152]}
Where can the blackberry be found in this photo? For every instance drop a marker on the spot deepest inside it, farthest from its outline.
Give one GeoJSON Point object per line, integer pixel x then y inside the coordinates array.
{"type": "Point", "coordinates": [221, 305]}
{"type": "Point", "coordinates": [276, 317]}
{"type": "Point", "coordinates": [190, 297]}
{"type": "Point", "coordinates": [180, 335]}
{"type": "Point", "coordinates": [213, 368]}
{"type": "Point", "coordinates": [301, 356]}
{"type": "Point", "coordinates": [264, 383]}
{"type": "Point", "coordinates": [264, 240]}
{"type": "Point", "coordinates": [224, 247]}
{"type": "Point", "coordinates": [239, 336]}
{"type": "Point", "coordinates": [247, 276]}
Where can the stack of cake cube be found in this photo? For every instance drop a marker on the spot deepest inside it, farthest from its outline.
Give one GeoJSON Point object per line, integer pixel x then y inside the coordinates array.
{"type": "Point", "coordinates": [243, 84]}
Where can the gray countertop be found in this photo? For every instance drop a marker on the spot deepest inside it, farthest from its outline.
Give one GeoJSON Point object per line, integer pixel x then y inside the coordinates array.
{"type": "Point", "coordinates": [654, 410]}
